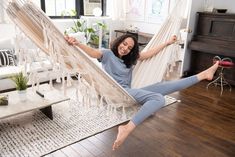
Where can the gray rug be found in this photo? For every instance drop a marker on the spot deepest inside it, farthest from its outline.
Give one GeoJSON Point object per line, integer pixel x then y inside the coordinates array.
{"type": "Point", "coordinates": [33, 134]}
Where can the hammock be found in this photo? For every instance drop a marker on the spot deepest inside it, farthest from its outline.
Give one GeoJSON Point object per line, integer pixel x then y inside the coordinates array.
{"type": "Point", "coordinates": [41, 30]}
{"type": "Point", "coordinates": [152, 70]}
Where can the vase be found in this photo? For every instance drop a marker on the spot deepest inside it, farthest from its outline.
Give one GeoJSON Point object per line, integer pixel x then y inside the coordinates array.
{"type": "Point", "coordinates": [80, 36]}
{"type": "Point", "coordinates": [22, 95]}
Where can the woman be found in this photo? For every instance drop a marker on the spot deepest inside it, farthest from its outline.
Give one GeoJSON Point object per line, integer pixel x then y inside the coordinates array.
{"type": "Point", "coordinates": [119, 61]}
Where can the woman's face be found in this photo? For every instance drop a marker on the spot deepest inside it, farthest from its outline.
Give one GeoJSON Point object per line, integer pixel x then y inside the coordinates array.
{"type": "Point", "coordinates": [125, 47]}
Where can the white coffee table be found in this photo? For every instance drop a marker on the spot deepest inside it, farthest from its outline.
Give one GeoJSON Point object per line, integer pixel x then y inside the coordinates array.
{"type": "Point", "coordinates": [34, 101]}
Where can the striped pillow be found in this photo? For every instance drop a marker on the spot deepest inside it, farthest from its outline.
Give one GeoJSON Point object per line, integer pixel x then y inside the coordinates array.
{"type": "Point", "coordinates": [7, 58]}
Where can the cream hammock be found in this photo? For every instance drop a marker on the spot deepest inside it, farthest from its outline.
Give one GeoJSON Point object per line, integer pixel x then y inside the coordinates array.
{"type": "Point", "coordinates": [153, 70]}
{"type": "Point", "coordinates": [40, 29]}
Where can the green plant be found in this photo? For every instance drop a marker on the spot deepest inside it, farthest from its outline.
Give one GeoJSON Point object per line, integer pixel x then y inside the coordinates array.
{"type": "Point", "coordinates": [20, 81]}
{"type": "Point", "coordinates": [94, 38]}
{"type": "Point", "coordinates": [3, 100]}
{"type": "Point", "coordinates": [91, 33]}
{"type": "Point", "coordinates": [79, 25]}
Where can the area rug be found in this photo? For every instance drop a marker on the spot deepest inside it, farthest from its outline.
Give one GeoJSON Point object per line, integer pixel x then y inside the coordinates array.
{"type": "Point", "coordinates": [33, 134]}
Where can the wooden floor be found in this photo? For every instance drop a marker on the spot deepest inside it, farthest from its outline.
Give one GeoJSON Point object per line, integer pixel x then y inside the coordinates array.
{"type": "Point", "coordinates": [201, 125]}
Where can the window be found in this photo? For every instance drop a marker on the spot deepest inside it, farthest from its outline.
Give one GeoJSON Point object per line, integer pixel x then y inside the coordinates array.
{"type": "Point", "coordinates": [59, 7]}
{"type": "Point", "coordinates": [63, 8]}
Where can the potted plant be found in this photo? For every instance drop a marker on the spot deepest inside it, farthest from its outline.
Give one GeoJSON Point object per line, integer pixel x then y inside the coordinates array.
{"type": "Point", "coordinates": [21, 84]}
{"type": "Point", "coordinates": [3, 100]}
{"type": "Point", "coordinates": [86, 35]}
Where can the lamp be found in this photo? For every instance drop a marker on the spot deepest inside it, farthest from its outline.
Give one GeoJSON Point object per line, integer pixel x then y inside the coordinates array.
{"type": "Point", "coordinates": [97, 11]}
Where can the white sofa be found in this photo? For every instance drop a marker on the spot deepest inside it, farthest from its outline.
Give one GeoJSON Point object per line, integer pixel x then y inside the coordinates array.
{"type": "Point", "coordinates": [43, 67]}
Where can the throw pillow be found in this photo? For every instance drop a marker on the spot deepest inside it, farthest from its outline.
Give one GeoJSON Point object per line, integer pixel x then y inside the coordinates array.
{"type": "Point", "coordinates": [7, 58]}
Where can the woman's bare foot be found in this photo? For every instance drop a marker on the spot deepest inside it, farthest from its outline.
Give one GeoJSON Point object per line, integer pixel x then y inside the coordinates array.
{"type": "Point", "coordinates": [208, 73]}
{"type": "Point", "coordinates": [123, 132]}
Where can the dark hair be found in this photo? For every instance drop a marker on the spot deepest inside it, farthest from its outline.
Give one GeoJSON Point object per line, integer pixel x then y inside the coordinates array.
{"type": "Point", "coordinates": [131, 58]}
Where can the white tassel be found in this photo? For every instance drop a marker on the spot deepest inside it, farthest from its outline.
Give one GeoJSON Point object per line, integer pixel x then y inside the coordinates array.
{"type": "Point", "coordinates": [123, 113]}
{"type": "Point", "coordinates": [63, 83]}
{"type": "Point", "coordinates": [69, 80]}
{"type": "Point", "coordinates": [50, 82]}
{"type": "Point", "coordinates": [45, 35]}
{"type": "Point", "coordinates": [101, 102]}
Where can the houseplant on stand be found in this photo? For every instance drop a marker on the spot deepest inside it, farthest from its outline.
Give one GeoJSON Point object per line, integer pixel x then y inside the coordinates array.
{"type": "Point", "coordinates": [86, 35]}
{"type": "Point", "coordinates": [21, 85]}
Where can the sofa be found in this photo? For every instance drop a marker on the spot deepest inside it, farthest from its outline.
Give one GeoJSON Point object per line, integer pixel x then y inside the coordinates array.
{"type": "Point", "coordinates": [35, 62]}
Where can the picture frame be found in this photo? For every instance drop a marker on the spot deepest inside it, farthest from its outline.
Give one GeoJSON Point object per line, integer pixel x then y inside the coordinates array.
{"type": "Point", "coordinates": [156, 10]}
{"type": "Point", "coordinates": [135, 10]}
{"type": "Point", "coordinates": [90, 5]}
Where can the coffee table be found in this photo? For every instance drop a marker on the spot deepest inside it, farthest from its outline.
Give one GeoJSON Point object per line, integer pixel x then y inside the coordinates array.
{"type": "Point", "coordinates": [33, 102]}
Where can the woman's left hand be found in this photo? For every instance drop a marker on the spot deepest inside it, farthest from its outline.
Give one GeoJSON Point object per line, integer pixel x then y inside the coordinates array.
{"type": "Point", "coordinates": [71, 40]}
{"type": "Point", "coordinates": [172, 40]}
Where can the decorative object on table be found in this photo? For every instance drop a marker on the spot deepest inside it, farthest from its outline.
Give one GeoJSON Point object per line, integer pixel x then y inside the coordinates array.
{"type": "Point", "coordinates": [215, 10]}
{"type": "Point", "coordinates": [21, 81]}
{"type": "Point", "coordinates": [3, 100]}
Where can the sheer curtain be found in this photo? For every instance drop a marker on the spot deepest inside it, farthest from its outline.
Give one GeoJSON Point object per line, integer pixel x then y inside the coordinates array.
{"type": "Point", "coordinates": [116, 9]}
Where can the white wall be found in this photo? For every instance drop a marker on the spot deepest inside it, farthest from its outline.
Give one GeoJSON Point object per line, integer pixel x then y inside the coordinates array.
{"type": "Point", "coordinates": [63, 24]}
{"type": "Point", "coordinates": [7, 31]}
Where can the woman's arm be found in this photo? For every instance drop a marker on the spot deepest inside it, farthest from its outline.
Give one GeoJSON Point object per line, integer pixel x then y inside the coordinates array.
{"type": "Point", "coordinates": [157, 49]}
{"type": "Point", "coordinates": [94, 53]}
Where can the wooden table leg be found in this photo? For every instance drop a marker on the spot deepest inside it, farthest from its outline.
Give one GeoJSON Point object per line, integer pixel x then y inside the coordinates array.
{"type": "Point", "coordinates": [48, 112]}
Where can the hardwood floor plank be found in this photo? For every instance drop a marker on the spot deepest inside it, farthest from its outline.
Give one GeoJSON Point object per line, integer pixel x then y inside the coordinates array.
{"type": "Point", "coordinates": [68, 151]}
{"type": "Point", "coordinates": [58, 153]}
{"type": "Point", "coordinates": [81, 150]}
{"type": "Point", "coordinates": [99, 144]}
{"type": "Point", "coordinates": [89, 146]}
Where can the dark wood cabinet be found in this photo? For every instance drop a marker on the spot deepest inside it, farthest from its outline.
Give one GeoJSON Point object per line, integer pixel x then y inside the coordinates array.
{"type": "Point", "coordinates": [214, 36]}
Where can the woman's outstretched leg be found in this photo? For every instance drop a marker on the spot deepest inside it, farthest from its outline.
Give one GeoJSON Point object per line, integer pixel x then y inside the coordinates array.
{"type": "Point", "coordinates": [123, 132]}
{"type": "Point", "coordinates": [208, 73]}
{"type": "Point", "coordinates": [168, 87]}
{"type": "Point", "coordinates": [152, 103]}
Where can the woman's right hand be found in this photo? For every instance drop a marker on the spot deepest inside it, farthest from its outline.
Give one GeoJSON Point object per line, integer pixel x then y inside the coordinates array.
{"type": "Point", "coordinates": [71, 40]}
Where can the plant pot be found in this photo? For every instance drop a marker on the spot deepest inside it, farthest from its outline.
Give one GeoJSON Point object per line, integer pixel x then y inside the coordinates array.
{"type": "Point", "coordinates": [80, 36]}
{"type": "Point", "coordinates": [22, 95]}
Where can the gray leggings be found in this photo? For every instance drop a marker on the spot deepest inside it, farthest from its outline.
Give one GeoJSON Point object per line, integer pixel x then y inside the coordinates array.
{"type": "Point", "coordinates": [152, 97]}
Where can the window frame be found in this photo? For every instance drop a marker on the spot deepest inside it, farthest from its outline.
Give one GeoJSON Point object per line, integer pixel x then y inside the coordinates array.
{"type": "Point", "coordinates": [79, 8]}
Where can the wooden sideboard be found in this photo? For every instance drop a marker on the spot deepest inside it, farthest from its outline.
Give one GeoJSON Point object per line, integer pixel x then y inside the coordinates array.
{"type": "Point", "coordinates": [214, 36]}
